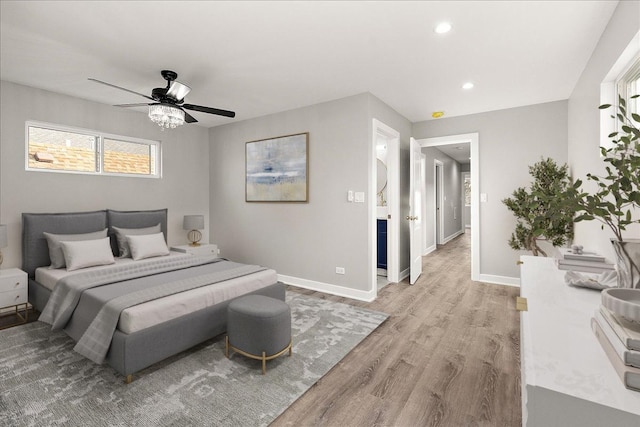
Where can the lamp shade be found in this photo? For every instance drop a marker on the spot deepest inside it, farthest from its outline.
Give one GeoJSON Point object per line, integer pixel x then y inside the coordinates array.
{"type": "Point", "coordinates": [3, 236]}
{"type": "Point", "coordinates": [193, 222]}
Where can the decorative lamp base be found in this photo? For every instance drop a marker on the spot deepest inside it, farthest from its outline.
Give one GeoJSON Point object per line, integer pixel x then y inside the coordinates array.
{"type": "Point", "coordinates": [194, 237]}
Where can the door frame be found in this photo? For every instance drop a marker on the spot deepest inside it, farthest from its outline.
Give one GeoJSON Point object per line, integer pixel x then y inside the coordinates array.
{"type": "Point", "coordinates": [438, 199]}
{"type": "Point", "coordinates": [392, 137]}
{"type": "Point", "coordinates": [474, 140]}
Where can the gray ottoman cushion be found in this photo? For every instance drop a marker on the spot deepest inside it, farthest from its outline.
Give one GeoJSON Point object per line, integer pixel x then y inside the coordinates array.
{"type": "Point", "coordinates": [256, 323]}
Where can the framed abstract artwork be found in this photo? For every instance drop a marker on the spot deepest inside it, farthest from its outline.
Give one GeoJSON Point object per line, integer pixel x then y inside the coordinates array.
{"type": "Point", "coordinates": [277, 169]}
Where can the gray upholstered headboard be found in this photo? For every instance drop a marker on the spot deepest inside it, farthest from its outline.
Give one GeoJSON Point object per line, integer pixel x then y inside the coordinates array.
{"type": "Point", "coordinates": [35, 252]}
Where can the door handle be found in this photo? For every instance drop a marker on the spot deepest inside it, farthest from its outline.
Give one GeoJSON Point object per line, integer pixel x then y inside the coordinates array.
{"type": "Point", "coordinates": [411, 218]}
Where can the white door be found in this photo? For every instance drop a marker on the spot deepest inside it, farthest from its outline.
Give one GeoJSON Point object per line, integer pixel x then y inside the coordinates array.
{"type": "Point", "coordinates": [415, 217]}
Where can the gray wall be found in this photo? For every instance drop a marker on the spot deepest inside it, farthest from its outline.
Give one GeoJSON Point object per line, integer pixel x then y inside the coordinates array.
{"type": "Point", "coordinates": [451, 196]}
{"type": "Point", "coordinates": [584, 117]}
{"type": "Point", "coordinates": [183, 188]}
{"type": "Point", "coordinates": [510, 141]}
{"type": "Point", "coordinates": [306, 240]}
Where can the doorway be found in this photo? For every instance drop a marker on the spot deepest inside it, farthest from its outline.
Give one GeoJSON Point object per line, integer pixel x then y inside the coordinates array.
{"type": "Point", "coordinates": [472, 139]}
{"type": "Point", "coordinates": [438, 178]}
{"type": "Point", "coordinates": [466, 200]}
{"type": "Point", "coordinates": [385, 207]}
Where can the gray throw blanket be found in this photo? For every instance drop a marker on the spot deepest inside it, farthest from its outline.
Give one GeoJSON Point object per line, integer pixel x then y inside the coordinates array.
{"type": "Point", "coordinates": [95, 342]}
{"type": "Point", "coordinates": [66, 294]}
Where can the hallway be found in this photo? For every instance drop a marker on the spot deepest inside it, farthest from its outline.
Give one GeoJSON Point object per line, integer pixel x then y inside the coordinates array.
{"type": "Point", "coordinates": [447, 356]}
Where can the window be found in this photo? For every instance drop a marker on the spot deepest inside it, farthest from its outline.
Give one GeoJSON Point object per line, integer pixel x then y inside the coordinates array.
{"type": "Point", "coordinates": [623, 79]}
{"type": "Point", "coordinates": [467, 190]}
{"type": "Point", "coordinates": [629, 85]}
{"type": "Point", "coordinates": [54, 148]}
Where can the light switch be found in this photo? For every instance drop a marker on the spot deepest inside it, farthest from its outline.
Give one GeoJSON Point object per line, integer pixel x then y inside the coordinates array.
{"type": "Point", "coordinates": [350, 196]}
{"type": "Point", "coordinates": [359, 196]}
{"type": "Point", "coordinates": [483, 197]}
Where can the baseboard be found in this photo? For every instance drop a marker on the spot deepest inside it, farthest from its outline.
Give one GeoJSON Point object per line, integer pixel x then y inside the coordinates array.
{"type": "Point", "coordinates": [328, 288]}
{"type": "Point", "coordinates": [404, 274]}
{"type": "Point", "coordinates": [453, 236]}
{"type": "Point", "coordinates": [500, 280]}
{"type": "Point", "coordinates": [430, 249]}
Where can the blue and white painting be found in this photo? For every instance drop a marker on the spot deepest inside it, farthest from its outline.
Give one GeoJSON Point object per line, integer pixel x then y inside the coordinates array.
{"type": "Point", "coordinates": [277, 169]}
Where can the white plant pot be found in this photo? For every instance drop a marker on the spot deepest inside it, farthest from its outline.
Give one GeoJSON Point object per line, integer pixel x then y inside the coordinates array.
{"type": "Point", "coordinates": [627, 262]}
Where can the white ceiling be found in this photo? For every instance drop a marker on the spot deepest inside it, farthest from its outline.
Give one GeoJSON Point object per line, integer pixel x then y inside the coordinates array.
{"type": "Point", "coordinates": [258, 58]}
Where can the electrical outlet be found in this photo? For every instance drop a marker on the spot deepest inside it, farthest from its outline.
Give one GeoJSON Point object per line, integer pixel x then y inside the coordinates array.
{"type": "Point", "coordinates": [339, 270]}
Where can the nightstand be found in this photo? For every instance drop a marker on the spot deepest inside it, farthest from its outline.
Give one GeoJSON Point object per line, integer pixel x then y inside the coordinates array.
{"type": "Point", "coordinates": [203, 249]}
{"type": "Point", "coordinates": [14, 293]}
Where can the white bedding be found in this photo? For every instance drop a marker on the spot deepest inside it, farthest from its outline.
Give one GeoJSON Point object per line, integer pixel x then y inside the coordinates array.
{"type": "Point", "coordinates": [160, 310]}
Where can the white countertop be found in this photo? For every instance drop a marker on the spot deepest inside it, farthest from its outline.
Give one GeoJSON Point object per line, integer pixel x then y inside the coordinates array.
{"type": "Point", "coordinates": [561, 352]}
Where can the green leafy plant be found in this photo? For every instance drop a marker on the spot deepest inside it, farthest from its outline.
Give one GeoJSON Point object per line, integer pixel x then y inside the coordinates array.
{"type": "Point", "coordinates": [544, 212]}
{"type": "Point", "coordinates": [619, 190]}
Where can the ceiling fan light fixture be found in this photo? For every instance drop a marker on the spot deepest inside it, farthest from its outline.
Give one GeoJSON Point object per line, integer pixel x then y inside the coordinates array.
{"type": "Point", "coordinates": [166, 116]}
{"type": "Point", "coordinates": [178, 90]}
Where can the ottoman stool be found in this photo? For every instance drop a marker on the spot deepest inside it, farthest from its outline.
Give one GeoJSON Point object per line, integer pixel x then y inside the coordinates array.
{"type": "Point", "coordinates": [258, 327]}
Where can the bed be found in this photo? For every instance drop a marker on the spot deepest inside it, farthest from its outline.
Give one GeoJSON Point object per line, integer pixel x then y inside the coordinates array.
{"type": "Point", "coordinates": [150, 331]}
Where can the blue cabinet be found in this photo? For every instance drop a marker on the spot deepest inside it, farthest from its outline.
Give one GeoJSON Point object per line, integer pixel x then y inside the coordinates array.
{"type": "Point", "coordinates": [382, 243]}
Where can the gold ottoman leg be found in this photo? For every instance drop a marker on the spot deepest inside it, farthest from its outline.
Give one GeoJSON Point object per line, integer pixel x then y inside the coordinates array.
{"type": "Point", "coordinates": [264, 363]}
{"type": "Point", "coordinates": [226, 342]}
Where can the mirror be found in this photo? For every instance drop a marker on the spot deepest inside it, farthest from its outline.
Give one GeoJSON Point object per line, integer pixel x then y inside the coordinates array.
{"type": "Point", "coordinates": [381, 176]}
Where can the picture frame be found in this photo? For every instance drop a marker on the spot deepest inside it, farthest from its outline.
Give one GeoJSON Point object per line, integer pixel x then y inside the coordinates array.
{"type": "Point", "coordinates": [277, 169]}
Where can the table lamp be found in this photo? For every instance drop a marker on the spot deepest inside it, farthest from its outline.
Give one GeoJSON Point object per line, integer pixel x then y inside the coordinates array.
{"type": "Point", "coordinates": [193, 223]}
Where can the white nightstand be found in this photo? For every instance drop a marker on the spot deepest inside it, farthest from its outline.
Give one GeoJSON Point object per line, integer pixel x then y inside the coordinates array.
{"type": "Point", "coordinates": [203, 249]}
{"type": "Point", "coordinates": [14, 292]}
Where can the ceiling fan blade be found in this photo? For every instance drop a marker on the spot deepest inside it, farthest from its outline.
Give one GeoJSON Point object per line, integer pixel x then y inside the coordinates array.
{"type": "Point", "coordinates": [189, 118]}
{"type": "Point", "coordinates": [209, 110]}
{"type": "Point", "coordinates": [178, 90]}
{"type": "Point", "coordinates": [121, 88]}
{"type": "Point", "coordinates": [143, 104]}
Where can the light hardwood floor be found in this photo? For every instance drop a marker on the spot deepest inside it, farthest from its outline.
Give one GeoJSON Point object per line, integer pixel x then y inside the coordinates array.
{"type": "Point", "coordinates": [447, 356]}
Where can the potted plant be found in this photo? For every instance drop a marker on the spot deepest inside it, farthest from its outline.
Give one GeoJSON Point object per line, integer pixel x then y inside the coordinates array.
{"type": "Point", "coordinates": [542, 212]}
{"type": "Point", "coordinates": [618, 194]}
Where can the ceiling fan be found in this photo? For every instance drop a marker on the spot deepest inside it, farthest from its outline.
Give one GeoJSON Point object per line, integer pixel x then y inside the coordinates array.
{"type": "Point", "coordinates": [167, 108]}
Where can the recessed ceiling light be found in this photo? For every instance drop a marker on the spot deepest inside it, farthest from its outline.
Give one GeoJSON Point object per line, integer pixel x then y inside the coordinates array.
{"type": "Point", "coordinates": [437, 114]}
{"type": "Point", "coordinates": [443, 27]}
{"type": "Point", "coordinates": [467, 85]}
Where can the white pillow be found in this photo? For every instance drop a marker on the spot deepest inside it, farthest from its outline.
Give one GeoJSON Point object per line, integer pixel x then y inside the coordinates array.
{"type": "Point", "coordinates": [122, 233]}
{"type": "Point", "coordinates": [87, 253]}
{"type": "Point", "coordinates": [55, 250]}
{"type": "Point", "coordinates": [147, 246]}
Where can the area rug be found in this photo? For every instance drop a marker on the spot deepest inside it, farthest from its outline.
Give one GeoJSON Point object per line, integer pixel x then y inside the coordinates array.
{"type": "Point", "coordinates": [43, 382]}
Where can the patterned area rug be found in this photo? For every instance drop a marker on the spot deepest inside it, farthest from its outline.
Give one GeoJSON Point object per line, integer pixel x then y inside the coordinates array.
{"type": "Point", "coordinates": [43, 382]}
